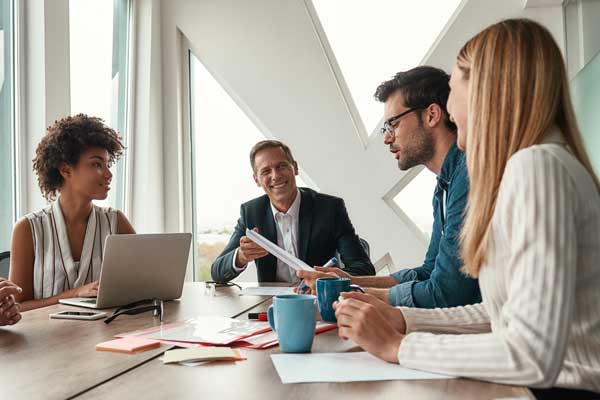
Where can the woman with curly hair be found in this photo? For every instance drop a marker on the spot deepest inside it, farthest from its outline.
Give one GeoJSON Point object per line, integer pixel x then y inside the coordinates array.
{"type": "Point", "coordinates": [57, 252]}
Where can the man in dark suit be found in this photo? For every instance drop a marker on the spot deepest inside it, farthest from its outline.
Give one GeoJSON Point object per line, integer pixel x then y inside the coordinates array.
{"type": "Point", "coordinates": [309, 225]}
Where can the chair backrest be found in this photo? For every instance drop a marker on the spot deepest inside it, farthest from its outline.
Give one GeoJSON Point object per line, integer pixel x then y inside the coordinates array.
{"type": "Point", "coordinates": [365, 246]}
{"type": "Point", "coordinates": [4, 264]}
{"type": "Point", "coordinates": [363, 243]}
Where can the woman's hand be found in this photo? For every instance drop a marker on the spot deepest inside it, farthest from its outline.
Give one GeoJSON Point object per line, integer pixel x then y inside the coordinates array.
{"type": "Point", "coordinates": [89, 290]}
{"type": "Point", "coordinates": [364, 324]}
{"type": "Point", "coordinates": [9, 308]}
{"type": "Point", "coordinates": [392, 314]}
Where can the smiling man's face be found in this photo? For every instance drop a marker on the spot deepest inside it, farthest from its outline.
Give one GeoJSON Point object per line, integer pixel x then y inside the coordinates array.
{"type": "Point", "coordinates": [276, 175]}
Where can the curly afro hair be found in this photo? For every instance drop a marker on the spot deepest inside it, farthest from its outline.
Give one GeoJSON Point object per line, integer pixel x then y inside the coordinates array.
{"type": "Point", "coordinates": [65, 141]}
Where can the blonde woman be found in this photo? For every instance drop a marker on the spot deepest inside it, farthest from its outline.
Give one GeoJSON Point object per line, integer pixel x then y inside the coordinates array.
{"type": "Point", "coordinates": [530, 233]}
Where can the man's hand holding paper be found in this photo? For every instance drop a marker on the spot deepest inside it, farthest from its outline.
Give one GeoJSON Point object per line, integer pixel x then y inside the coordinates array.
{"type": "Point", "coordinates": [277, 251]}
{"type": "Point", "coordinates": [248, 251]}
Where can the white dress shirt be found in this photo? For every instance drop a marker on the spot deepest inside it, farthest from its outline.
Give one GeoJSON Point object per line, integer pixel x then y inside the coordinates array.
{"type": "Point", "coordinates": [287, 238]}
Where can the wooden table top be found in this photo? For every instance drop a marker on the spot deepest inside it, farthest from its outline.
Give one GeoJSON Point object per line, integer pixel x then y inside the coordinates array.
{"type": "Point", "coordinates": [256, 378]}
{"type": "Point", "coordinates": [44, 358]}
{"type": "Point", "coordinates": [56, 358]}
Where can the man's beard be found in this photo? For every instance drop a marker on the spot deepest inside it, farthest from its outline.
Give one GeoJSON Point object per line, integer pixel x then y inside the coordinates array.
{"type": "Point", "coordinates": [420, 150]}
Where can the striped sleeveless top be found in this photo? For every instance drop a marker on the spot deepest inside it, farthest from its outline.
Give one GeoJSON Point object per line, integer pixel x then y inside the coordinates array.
{"type": "Point", "coordinates": [54, 270]}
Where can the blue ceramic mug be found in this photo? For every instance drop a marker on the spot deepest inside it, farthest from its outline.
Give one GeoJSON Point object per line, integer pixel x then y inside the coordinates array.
{"type": "Point", "coordinates": [328, 291]}
{"type": "Point", "coordinates": [293, 318]}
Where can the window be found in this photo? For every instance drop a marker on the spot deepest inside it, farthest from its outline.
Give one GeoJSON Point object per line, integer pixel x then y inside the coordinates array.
{"type": "Point", "coordinates": [99, 43]}
{"type": "Point", "coordinates": [415, 200]}
{"type": "Point", "coordinates": [7, 125]}
{"type": "Point", "coordinates": [221, 136]}
{"type": "Point", "coordinates": [394, 35]}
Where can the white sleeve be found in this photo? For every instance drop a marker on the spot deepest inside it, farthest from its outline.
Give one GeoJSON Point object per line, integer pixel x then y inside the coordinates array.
{"type": "Point", "coordinates": [464, 319]}
{"type": "Point", "coordinates": [236, 269]}
{"type": "Point", "coordinates": [536, 206]}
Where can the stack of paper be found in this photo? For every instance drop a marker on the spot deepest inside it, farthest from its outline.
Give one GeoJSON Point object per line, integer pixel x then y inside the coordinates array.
{"type": "Point", "coordinates": [202, 354]}
{"type": "Point", "coordinates": [206, 330]}
{"type": "Point", "coordinates": [269, 339]}
{"type": "Point", "coordinates": [220, 331]}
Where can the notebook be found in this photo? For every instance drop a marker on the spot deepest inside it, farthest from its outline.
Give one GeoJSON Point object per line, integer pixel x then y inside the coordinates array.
{"type": "Point", "coordinates": [202, 354]}
{"type": "Point", "coordinates": [128, 345]}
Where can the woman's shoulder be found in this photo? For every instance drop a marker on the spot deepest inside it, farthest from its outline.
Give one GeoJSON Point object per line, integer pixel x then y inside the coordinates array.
{"type": "Point", "coordinates": [539, 157]}
{"type": "Point", "coordinates": [40, 214]}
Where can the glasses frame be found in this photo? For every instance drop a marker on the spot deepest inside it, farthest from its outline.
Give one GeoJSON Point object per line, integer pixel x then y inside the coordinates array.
{"type": "Point", "coordinates": [388, 126]}
{"type": "Point", "coordinates": [138, 307]}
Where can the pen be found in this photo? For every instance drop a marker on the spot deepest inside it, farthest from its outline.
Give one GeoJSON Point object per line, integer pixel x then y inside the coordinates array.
{"type": "Point", "coordinates": [330, 263]}
{"type": "Point", "coordinates": [261, 316]}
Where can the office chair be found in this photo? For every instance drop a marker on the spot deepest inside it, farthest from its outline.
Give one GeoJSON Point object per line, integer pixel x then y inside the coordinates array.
{"type": "Point", "coordinates": [363, 243]}
{"type": "Point", "coordinates": [365, 246]}
{"type": "Point", "coordinates": [4, 264]}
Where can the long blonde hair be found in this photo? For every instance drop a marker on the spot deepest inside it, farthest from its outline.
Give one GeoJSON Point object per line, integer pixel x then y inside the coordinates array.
{"type": "Point", "coordinates": [518, 89]}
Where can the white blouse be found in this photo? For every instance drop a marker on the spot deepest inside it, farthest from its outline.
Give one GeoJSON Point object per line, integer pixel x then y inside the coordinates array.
{"type": "Point", "coordinates": [54, 270]}
{"type": "Point", "coordinates": [539, 322]}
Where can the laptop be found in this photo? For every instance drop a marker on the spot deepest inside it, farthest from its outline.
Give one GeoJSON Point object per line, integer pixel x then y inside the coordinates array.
{"type": "Point", "coordinates": [139, 267]}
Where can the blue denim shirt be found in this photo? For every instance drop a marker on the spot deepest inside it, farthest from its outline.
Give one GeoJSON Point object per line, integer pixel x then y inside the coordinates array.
{"type": "Point", "coordinates": [439, 281]}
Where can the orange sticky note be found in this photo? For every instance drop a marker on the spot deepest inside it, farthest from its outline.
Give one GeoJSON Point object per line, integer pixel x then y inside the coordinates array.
{"type": "Point", "coordinates": [130, 344]}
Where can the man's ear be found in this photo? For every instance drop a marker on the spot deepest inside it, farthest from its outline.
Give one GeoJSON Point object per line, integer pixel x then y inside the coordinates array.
{"type": "Point", "coordinates": [295, 168]}
{"type": "Point", "coordinates": [255, 180]}
{"type": "Point", "coordinates": [433, 115]}
{"type": "Point", "coordinates": [65, 170]}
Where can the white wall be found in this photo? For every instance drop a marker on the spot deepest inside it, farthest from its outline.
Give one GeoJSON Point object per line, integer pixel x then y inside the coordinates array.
{"type": "Point", "coordinates": [582, 33]}
{"type": "Point", "coordinates": [474, 15]}
{"type": "Point", "coordinates": [267, 55]}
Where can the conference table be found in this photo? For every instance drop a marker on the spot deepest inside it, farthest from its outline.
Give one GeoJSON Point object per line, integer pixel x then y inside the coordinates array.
{"type": "Point", "coordinates": [43, 358]}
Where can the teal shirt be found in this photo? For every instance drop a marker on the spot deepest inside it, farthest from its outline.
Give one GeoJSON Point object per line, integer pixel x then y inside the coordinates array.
{"type": "Point", "coordinates": [439, 281]}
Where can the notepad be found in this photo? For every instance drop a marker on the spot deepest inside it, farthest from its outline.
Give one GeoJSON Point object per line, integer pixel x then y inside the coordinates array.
{"type": "Point", "coordinates": [128, 345]}
{"type": "Point", "coordinates": [202, 354]}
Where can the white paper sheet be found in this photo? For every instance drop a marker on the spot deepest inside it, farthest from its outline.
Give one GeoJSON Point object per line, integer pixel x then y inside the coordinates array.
{"type": "Point", "coordinates": [278, 252]}
{"type": "Point", "coordinates": [343, 367]}
{"type": "Point", "coordinates": [209, 329]}
{"type": "Point", "coordinates": [266, 291]}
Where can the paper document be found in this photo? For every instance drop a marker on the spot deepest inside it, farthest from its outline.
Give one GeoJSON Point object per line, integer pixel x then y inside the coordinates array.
{"type": "Point", "coordinates": [343, 367]}
{"type": "Point", "coordinates": [270, 339]}
{"type": "Point", "coordinates": [278, 252]}
{"type": "Point", "coordinates": [202, 354]}
{"type": "Point", "coordinates": [266, 291]}
{"type": "Point", "coordinates": [210, 330]}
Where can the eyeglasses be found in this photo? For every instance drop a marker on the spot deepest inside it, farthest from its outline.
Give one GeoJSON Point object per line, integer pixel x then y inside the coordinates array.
{"type": "Point", "coordinates": [389, 124]}
{"type": "Point", "coordinates": [134, 308]}
{"type": "Point", "coordinates": [222, 284]}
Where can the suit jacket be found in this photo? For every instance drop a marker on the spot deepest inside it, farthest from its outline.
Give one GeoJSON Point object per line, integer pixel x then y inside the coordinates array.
{"type": "Point", "coordinates": [323, 228]}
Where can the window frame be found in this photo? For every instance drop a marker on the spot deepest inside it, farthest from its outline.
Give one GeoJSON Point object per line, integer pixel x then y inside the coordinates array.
{"type": "Point", "coordinates": [10, 71]}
